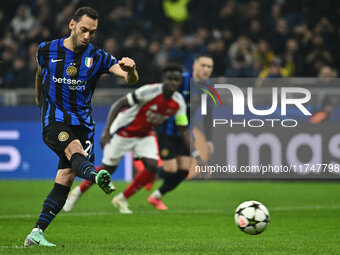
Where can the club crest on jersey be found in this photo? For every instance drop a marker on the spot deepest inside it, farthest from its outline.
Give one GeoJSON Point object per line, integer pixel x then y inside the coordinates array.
{"type": "Point", "coordinates": [168, 111]}
{"type": "Point", "coordinates": [165, 152]}
{"type": "Point", "coordinates": [71, 71]}
{"type": "Point", "coordinates": [154, 107]}
{"type": "Point", "coordinates": [88, 62]}
{"type": "Point", "coordinates": [63, 136]}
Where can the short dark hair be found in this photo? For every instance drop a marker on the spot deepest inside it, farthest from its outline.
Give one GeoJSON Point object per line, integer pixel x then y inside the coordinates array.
{"type": "Point", "coordinates": [172, 67]}
{"type": "Point", "coordinates": [88, 11]}
{"type": "Point", "coordinates": [201, 55]}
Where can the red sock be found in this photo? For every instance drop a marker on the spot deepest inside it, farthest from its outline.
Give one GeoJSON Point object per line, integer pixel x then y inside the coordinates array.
{"type": "Point", "coordinates": [142, 178]}
{"type": "Point", "coordinates": [86, 183]}
{"type": "Point", "coordinates": [138, 164]}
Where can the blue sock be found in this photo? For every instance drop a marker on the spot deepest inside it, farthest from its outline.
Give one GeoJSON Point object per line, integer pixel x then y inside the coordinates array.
{"type": "Point", "coordinates": [53, 203]}
{"type": "Point", "coordinates": [83, 168]}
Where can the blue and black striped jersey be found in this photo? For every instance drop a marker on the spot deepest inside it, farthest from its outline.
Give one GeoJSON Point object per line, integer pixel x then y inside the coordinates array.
{"type": "Point", "coordinates": [69, 80]}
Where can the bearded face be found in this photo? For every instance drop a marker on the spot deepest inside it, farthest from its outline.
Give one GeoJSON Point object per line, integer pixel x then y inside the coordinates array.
{"type": "Point", "coordinates": [82, 31]}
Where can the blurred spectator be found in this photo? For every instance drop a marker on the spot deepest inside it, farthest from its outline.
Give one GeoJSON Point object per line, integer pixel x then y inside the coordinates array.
{"type": "Point", "coordinates": [250, 11]}
{"type": "Point", "coordinates": [327, 72]}
{"type": "Point", "coordinates": [242, 46]}
{"type": "Point", "coordinates": [218, 51]}
{"type": "Point", "coordinates": [243, 37]}
{"type": "Point", "coordinates": [134, 46]}
{"type": "Point", "coordinates": [263, 53]}
{"type": "Point", "coordinates": [7, 58]}
{"type": "Point", "coordinates": [8, 39]}
{"type": "Point", "coordinates": [279, 37]}
{"type": "Point", "coordinates": [195, 43]}
{"type": "Point", "coordinates": [318, 56]}
{"type": "Point", "coordinates": [111, 47]}
{"type": "Point", "coordinates": [326, 30]}
{"type": "Point", "coordinates": [228, 17]}
{"type": "Point", "coordinates": [106, 80]}
{"type": "Point", "coordinates": [255, 31]}
{"type": "Point", "coordinates": [120, 21]}
{"type": "Point", "coordinates": [271, 20]}
{"type": "Point", "coordinates": [17, 77]}
{"type": "Point", "coordinates": [327, 78]}
{"type": "Point", "coordinates": [153, 71]}
{"type": "Point", "coordinates": [23, 21]}
{"type": "Point", "coordinates": [276, 70]}
{"type": "Point", "coordinates": [240, 69]}
{"type": "Point", "coordinates": [293, 54]}
{"type": "Point", "coordinates": [64, 17]}
{"type": "Point", "coordinates": [162, 55]}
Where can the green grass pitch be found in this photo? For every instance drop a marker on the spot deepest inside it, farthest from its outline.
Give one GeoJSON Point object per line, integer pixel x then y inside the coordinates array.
{"type": "Point", "coordinates": [200, 220]}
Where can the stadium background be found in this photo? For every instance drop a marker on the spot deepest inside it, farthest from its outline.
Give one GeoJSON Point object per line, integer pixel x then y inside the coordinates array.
{"type": "Point", "coordinates": [303, 34]}
{"type": "Point", "coordinates": [245, 38]}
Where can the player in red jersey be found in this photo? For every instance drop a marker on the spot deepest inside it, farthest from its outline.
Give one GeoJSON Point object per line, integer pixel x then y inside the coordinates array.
{"type": "Point", "coordinates": [129, 128]}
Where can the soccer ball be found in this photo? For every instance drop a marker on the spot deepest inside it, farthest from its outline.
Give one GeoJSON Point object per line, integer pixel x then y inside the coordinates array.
{"type": "Point", "coordinates": [252, 217]}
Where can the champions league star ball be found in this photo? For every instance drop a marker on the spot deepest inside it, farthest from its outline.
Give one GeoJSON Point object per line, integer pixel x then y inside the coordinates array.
{"type": "Point", "coordinates": [252, 217]}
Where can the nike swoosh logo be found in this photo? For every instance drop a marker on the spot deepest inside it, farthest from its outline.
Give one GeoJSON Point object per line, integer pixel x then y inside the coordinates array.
{"type": "Point", "coordinates": [55, 60]}
{"type": "Point", "coordinates": [35, 241]}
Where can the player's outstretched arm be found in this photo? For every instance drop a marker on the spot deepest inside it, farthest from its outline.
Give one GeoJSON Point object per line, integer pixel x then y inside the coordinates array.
{"type": "Point", "coordinates": [38, 85]}
{"type": "Point", "coordinates": [126, 70]}
{"type": "Point", "coordinates": [113, 113]}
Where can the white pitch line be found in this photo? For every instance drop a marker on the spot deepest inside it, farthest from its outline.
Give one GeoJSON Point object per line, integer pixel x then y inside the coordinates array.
{"type": "Point", "coordinates": [11, 247]}
{"type": "Point", "coordinates": [63, 214]}
{"type": "Point", "coordinates": [301, 208]}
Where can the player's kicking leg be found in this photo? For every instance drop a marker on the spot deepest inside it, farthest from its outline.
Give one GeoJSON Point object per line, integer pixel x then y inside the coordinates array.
{"type": "Point", "coordinates": [112, 148]}
{"type": "Point", "coordinates": [86, 170]}
{"type": "Point", "coordinates": [78, 191]}
{"type": "Point", "coordinates": [103, 179]}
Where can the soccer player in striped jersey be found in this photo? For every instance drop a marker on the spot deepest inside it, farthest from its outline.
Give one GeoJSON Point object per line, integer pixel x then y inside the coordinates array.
{"type": "Point", "coordinates": [176, 157]}
{"type": "Point", "coordinates": [129, 126]}
{"type": "Point", "coordinates": [68, 70]}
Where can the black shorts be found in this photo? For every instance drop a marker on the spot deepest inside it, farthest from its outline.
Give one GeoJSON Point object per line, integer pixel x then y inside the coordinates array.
{"type": "Point", "coordinates": [58, 136]}
{"type": "Point", "coordinates": [171, 146]}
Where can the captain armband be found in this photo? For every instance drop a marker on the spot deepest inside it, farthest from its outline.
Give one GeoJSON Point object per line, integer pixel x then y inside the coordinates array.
{"type": "Point", "coordinates": [181, 120]}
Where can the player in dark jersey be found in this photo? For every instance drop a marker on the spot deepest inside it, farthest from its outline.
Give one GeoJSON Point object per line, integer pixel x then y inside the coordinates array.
{"type": "Point", "coordinates": [68, 70]}
{"type": "Point", "coordinates": [175, 156]}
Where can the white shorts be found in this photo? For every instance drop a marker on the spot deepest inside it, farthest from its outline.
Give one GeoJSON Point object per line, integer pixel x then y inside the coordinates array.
{"type": "Point", "coordinates": [142, 147]}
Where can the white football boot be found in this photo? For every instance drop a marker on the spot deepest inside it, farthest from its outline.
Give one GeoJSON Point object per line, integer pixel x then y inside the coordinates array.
{"type": "Point", "coordinates": [72, 199]}
{"type": "Point", "coordinates": [121, 203]}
